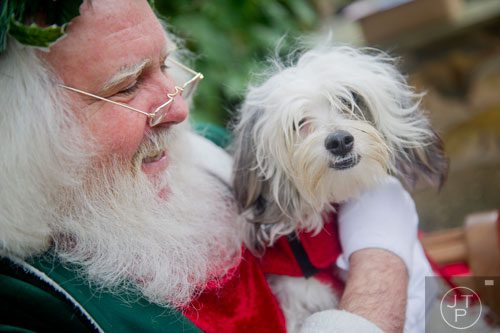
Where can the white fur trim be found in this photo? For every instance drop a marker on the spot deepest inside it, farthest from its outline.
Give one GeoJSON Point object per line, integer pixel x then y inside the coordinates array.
{"type": "Point", "coordinates": [338, 321]}
{"type": "Point", "coordinates": [211, 157]}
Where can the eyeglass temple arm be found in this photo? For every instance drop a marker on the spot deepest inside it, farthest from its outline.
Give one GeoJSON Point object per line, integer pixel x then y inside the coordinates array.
{"type": "Point", "coordinates": [151, 115]}
{"type": "Point", "coordinates": [197, 75]}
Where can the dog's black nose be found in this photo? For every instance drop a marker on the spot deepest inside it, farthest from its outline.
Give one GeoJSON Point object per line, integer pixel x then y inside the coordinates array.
{"type": "Point", "coordinates": [339, 143]}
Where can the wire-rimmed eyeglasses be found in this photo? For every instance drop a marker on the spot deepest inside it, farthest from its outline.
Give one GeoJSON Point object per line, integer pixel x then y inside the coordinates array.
{"type": "Point", "coordinates": [160, 112]}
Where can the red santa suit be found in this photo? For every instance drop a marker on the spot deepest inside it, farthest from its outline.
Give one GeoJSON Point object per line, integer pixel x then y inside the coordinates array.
{"type": "Point", "coordinates": [245, 302]}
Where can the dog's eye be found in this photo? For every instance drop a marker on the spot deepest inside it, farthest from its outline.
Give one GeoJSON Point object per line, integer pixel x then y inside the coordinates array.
{"type": "Point", "coordinates": [300, 123]}
{"type": "Point", "coordinates": [360, 102]}
{"type": "Point", "coordinates": [359, 109]}
{"type": "Point", "coordinates": [356, 98]}
{"type": "Point", "coordinates": [346, 103]}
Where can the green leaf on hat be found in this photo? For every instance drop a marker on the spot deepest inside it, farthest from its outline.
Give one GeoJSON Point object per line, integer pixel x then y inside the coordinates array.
{"type": "Point", "coordinates": [34, 35]}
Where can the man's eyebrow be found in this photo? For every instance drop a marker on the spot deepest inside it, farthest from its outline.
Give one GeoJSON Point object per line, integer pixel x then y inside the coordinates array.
{"type": "Point", "coordinates": [124, 74]}
{"type": "Point", "coordinates": [130, 71]}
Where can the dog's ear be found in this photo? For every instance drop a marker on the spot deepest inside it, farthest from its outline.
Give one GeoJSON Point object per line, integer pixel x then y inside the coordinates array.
{"type": "Point", "coordinates": [426, 162]}
{"type": "Point", "coordinates": [396, 111]}
{"type": "Point", "coordinates": [252, 191]}
{"type": "Point", "coordinates": [247, 182]}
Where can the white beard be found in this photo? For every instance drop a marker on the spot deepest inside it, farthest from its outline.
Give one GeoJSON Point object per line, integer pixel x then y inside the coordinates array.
{"type": "Point", "coordinates": [120, 231]}
{"type": "Point", "coordinates": [110, 221]}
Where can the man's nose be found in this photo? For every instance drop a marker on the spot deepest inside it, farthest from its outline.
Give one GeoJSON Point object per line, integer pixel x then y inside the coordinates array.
{"type": "Point", "coordinates": [177, 110]}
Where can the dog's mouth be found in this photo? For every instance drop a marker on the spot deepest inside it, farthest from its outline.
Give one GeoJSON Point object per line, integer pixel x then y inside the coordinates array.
{"type": "Point", "coordinates": [345, 162]}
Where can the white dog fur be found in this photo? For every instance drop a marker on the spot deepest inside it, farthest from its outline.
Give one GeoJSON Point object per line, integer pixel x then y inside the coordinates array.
{"type": "Point", "coordinates": [319, 131]}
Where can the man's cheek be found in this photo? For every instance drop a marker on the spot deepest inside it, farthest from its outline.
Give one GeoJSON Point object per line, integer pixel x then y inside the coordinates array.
{"type": "Point", "coordinates": [120, 134]}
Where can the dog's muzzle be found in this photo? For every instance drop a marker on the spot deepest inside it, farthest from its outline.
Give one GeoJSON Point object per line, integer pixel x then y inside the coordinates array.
{"type": "Point", "coordinates": [346, 162]}
{"type": "Point", "coordinates": [340, 144]}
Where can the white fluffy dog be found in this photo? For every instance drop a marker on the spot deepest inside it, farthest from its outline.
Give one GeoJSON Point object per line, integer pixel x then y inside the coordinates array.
{"type": "Point", "coordinates": [320, 131]}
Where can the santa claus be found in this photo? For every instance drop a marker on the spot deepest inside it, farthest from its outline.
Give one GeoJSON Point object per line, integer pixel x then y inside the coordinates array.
{"type": "Point", "coordinates": [114, 216]}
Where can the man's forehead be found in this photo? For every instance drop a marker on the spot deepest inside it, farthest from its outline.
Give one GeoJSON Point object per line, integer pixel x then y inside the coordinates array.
{"type": "Point", "coordinates": [111, 22]}
{"type": "Point", "coordinates": [108, 36]}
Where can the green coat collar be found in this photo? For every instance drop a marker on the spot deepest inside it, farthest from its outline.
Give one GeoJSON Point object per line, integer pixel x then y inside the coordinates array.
{"type": "Point", "coordinates": [58, 291]}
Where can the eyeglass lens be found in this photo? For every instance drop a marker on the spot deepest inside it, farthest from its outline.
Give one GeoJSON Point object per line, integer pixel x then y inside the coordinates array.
{"type": "Point", "coordinates": [185, 91]}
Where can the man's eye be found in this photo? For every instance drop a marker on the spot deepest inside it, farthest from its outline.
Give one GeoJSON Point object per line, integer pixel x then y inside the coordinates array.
{"type": "Point", "coordinates": [130, 89]}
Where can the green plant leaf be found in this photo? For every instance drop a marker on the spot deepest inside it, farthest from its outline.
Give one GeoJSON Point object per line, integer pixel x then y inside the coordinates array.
{"type": "Point", "coordinates": [303, 12]}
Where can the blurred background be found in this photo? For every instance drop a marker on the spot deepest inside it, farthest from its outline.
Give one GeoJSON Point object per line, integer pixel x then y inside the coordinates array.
{"type": "Point", "coordinates": [448, 48]}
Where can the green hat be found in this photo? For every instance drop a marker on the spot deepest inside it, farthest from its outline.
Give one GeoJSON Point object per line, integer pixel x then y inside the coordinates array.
{"type": "Point", "coordinates": [17, 20]}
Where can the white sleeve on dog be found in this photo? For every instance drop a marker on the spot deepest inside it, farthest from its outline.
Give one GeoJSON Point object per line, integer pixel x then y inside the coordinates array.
{"type": "Point", "coordinates": [385, 217]}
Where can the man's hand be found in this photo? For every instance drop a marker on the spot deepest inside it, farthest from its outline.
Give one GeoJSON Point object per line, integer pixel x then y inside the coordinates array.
{"type": "Point", "coordinates": [376, 288]}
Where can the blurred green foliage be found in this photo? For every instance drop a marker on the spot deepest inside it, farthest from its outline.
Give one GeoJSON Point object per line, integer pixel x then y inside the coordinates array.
{"type": "Point", "coordinates": [229, 39]}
